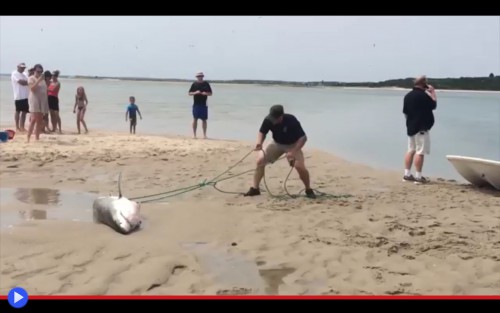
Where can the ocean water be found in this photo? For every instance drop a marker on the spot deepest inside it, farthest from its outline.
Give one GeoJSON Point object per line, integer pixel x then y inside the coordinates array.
{"type": "Point", "coordinates": [362, 125]}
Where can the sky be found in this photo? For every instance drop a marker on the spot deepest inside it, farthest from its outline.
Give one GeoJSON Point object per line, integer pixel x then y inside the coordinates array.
{"type": "Point", "coordinates": [291, 48]}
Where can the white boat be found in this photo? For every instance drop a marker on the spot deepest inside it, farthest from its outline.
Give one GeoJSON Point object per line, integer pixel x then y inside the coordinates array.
{"type": "Point", "coordinates": [477, 171]}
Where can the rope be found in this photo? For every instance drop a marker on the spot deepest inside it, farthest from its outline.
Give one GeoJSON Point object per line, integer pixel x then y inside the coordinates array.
{"type": "Point", "coordinates": [213, 182]}
{"type": "Point", "coordinates": [288, 194]}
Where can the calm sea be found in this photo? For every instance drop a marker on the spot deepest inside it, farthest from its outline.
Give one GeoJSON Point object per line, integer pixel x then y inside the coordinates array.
{"type": "Point", "coordinates": [364, 126]}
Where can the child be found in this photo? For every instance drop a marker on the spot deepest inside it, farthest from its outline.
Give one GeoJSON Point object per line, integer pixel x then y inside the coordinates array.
{"type": "Point", "coordinates": [81, 103]}
{"type": "Point", "coordinates": [132, 109]}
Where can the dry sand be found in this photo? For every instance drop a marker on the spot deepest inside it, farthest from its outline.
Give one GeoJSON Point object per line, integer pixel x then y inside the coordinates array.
{"type": "Point", "coordinates": [390, 237]}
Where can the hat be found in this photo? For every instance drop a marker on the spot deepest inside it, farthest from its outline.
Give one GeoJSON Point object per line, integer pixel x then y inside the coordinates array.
{"type": "Point", "coordinates": [199, 74]}
{"type": "Point", "coordinates": [21, 65]}
{"type": "Point", "coordinates": [275, 112]}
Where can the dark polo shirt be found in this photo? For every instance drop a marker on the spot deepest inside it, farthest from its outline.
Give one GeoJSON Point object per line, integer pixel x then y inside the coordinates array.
{"type": "Point", "coordinates": [418, 107]}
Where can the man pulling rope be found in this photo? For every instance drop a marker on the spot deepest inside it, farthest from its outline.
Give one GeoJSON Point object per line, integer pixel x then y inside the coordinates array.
{"type": "Point", "coordinates": [288, 138]}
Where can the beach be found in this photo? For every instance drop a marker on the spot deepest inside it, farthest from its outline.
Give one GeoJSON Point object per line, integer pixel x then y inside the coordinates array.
{"type": "Point", "coordinates": [374, 234]}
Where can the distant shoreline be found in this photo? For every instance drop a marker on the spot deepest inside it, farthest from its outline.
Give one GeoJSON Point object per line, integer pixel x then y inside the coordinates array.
{"type": "Point", "coordinates": [464, 84]}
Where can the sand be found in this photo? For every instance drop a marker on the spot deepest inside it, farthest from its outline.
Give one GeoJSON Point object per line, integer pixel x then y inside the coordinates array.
{"type": "Point", "coordinates": [389, 237]}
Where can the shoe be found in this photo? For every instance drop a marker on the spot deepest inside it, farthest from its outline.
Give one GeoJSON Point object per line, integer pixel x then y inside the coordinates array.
{"type": "Point", "coordinates": [408, 178]}
{"type": "Point", "coordinates": [252, 192]}
{"type": "Point", "coordinates": [421, 180]}
{"type": "Point", "coordinates": [310, 194]}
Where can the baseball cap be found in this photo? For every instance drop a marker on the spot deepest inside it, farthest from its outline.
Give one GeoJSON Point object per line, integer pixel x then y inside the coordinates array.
{"type": "Point", "coordinates": [275, 112]}
{"type": "Point", "coordinates": [199, 74]}
{"type": "Point", "coordinates": [21, 65]}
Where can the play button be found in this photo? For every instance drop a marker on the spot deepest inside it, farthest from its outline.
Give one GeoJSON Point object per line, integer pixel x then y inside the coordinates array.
{"type": "Point", "coordinates": [18, 297]}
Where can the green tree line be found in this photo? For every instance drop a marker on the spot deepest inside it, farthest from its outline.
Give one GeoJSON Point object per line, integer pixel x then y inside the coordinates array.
{"type": "Point", "coordinates": [487, 83]}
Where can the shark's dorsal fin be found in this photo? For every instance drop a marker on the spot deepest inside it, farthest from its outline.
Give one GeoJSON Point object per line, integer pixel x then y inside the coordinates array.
{"type": "Point", "coordinates": [119, 185]}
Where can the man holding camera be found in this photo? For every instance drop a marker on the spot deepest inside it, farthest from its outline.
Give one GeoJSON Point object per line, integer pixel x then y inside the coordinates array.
{"type": "Point", "coordinates": [288, 138]}
{"type": "Point", "coordinates": [418, 107]}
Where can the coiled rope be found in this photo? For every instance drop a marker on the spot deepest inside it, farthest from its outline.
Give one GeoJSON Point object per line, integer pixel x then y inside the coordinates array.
{"type": "Point", "coordinates": [158, 197]}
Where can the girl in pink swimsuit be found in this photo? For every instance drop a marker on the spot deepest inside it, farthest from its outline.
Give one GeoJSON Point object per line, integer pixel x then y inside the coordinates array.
{"type": "Point", "coordinates": [54, 88]}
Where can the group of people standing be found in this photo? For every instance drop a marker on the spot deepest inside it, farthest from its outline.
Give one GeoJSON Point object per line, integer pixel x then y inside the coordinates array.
{"type": "Point", "coordinates": [37, 93]}
{"type": "Point", "coordinates": [33, 96]}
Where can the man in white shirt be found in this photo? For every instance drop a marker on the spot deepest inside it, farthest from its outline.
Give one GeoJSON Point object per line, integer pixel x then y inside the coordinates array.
{"type": "Point", "coordinates": [20, 87]}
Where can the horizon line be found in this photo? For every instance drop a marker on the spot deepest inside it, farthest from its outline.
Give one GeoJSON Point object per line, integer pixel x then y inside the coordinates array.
{"type": "Point", "coordinates": [257, 80]}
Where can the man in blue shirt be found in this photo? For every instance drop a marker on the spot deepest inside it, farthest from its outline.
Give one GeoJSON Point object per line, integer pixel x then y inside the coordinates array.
{"type": "Point", "coordinates": [132, 111]}
{"type": "Point", "coordinates": [200, 90]}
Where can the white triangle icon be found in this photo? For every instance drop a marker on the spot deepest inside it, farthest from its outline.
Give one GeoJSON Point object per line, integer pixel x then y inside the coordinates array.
{"type": "Point", "coordinates": [17, 297]}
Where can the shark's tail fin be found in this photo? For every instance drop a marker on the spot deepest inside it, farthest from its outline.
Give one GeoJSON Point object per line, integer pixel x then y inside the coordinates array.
{"type": "Point", "coordinates": [120, 185]}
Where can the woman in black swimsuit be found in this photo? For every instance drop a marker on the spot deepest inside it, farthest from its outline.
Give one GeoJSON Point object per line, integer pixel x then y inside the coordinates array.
{"type": "Point", "coordinates": [81, 103]}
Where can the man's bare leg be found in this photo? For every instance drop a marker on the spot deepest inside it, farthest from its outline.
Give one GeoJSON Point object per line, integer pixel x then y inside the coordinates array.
{"type": "Point", "coordinates": [22, 121]}
{"type": "Point", "coordinates": [409, 156]}
{"type": "Point", "coordinates": [195, 126]}
{"type": "Point", "coordinates": [303, 174]}
{"type": "Point", "coordinates": [419, 162]}
{"type": "Point", "coordinates": [204, 125]}
{"type": "Point", "coordinates": [16, 118]}
{"type": "Point", "coordinates": [409, 159]}
{"type": "Point", "coordinates": [301, 169]}
{"type": "Point", "coordinates": [271, 154]}
{"type": "Point", "coordinates": [258, 175]}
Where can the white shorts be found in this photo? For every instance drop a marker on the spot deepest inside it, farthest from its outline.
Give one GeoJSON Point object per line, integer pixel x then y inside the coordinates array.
{"type": "Point", "coordinates": [420, 143]}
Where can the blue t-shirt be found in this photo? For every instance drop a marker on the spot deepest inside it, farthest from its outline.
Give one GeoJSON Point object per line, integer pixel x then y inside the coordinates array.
{"type": "Point", "coordinates": [132, 110]}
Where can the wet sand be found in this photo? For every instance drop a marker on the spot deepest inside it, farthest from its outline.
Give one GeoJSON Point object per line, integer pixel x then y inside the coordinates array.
{"type": "Point", "coordinates": [387, 237]}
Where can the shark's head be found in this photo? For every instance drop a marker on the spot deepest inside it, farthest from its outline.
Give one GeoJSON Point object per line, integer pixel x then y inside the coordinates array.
{"type": "Point", "coordinates": [130, 211]}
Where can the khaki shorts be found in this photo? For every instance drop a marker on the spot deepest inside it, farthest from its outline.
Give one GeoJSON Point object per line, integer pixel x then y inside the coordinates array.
{"type": "Point", "coordinates": [420, 143]}
{"type": "Point", "coordinates": [274, 151]}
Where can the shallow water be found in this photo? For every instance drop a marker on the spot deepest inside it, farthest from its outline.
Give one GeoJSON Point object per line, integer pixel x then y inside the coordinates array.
{"type": "Point", "coordinates": [44, 204]}
{"type": "Point", "coordinates": [236, 273]}
{"type": "Point", "coordinates": [365, 126]}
